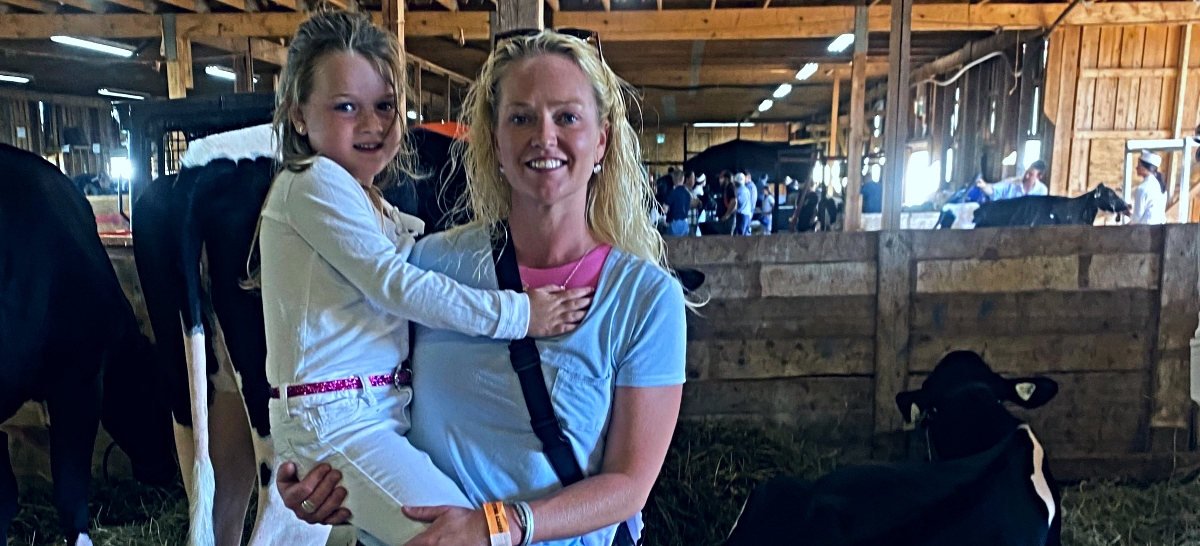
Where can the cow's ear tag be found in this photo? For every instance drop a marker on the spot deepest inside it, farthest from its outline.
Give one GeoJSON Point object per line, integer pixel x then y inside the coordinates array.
{"type": "Point", "coordinates": [1025, 390]}
{"type": "Point", "coordinates": [914, 414]}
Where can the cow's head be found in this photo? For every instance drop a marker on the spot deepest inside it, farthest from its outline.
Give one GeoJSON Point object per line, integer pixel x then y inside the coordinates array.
{"type": "Point", "coordinates": [961, 404]}
{"type": "Point", "coordinates": [1107, 200]}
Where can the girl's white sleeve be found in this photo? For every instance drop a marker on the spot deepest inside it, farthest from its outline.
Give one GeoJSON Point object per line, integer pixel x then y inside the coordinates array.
{"type": "Point", "coordinates": [1141, 208]}
{"type": "Point", "coordinates": [328, 210]}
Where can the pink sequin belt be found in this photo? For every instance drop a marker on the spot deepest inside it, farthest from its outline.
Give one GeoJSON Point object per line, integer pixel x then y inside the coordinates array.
{"type": "Point", "coordinates": [400, 378]}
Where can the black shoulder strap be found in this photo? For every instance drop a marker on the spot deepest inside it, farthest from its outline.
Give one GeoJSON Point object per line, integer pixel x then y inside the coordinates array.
{"type": "Point", "coordinates": [528, 364]}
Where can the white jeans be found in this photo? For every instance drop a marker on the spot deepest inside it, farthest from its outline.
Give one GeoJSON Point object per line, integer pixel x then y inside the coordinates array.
{"type": "Point", "coordinates": [361, 433]}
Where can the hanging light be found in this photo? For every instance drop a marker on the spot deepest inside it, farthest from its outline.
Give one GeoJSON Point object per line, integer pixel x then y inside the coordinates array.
{"type": "Point", "coordinates": [807, 72]}
{"type": "Point", "coordinates": [121, 94]}
{"type": "Point", "coordinates": [840, 43]}
{"type": "Point", "coordinates": [782, 91]}
{"type": "Point", "coordinates": [13, 77]}
{"type": "Point", "coordinates": [765, 105]}
{"type": "Point", "coordinates": [220, 72]}
{"type": "Point", "coordinates": [112, 48]}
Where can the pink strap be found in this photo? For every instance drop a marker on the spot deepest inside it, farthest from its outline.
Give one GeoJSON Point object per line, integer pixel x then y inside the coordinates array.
{"type": "Point", "coordinates": [402, 377]}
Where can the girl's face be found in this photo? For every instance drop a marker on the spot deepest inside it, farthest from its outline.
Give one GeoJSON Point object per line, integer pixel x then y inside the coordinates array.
{"type": "Point", "coordinates": [548, 133]}
{"type": "Point", "coordinates": [351, 115]}
{"type": "Point", "coordinates": [1142, 171]}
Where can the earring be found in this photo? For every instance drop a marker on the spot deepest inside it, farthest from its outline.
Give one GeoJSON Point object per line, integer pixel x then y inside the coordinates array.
{"type": "Point", "coordinates": [597, 169]}
{"type": "Point", "coordinates": [501, 170]}
{"type": "Point", "coordinates": [300, 129]}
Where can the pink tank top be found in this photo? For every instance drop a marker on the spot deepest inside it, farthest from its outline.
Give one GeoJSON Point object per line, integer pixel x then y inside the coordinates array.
{"type": "Point", "coordinates": [587, 274]}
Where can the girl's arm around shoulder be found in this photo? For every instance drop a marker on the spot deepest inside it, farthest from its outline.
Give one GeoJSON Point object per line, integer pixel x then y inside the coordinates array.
{"type": "Point", "coordinates": [330, 211]}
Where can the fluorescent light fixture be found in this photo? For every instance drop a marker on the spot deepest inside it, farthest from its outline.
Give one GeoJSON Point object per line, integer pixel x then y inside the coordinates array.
{"type": "Point", "coordinates": [840, 43]}
{"type": "Point", "coordinates": [112, 48]}
{"type": "Point", "coordinates": [782, 91]}
{"type": "Point", "coordinates": [765, 105]}
{"type": "Point", "coordinates": [412, 114]}
{"type": "Point", "coordinates": [13, 77]}
{"type": "Point", "coordinates": [108, 92]}
{"type": "Point", "coordinates": [220, 72]}
{"type": "Point", "coordinates": [713, 124]}
{"type": "Point", "coordinates": [807, 72]}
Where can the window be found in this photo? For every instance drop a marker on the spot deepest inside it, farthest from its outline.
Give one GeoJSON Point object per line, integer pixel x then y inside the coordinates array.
{"type": "Point", "coordinates": [1033, 115]}
{"type": "Point", "coordinates": [921, 178]}
{"type": "Point", "coordinates": [1033, 152]}
{"type": "Point", "coordinates": [949, 164]}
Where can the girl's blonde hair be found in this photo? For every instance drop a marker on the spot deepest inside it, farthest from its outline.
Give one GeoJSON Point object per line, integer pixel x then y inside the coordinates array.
{"type": "Point", "coordinates": [619, 196]}
{"type": "Point", "coordinates": [325, 33]}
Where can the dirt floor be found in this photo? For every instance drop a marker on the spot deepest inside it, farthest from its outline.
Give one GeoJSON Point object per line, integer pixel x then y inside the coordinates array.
{"type": "Point", "coordinates": [705, 479]}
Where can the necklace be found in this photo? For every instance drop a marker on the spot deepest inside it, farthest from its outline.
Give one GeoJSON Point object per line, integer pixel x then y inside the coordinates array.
{"type": "Point", "coordinates": [578, 263]}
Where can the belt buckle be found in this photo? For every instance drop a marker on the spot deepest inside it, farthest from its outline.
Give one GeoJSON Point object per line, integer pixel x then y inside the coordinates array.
{"type": "Point", "coordinates": [402, 378]}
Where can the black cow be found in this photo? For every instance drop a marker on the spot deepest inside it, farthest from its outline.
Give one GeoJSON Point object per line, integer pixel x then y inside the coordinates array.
{"type": "Point", "coordinates": [989, 485]}
{"type": "Point", "coordinates": [69, 337]}
{"type": "Point", "coordinates": [1044, 210]}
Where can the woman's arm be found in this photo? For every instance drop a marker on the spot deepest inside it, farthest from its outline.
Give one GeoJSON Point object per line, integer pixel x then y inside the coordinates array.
{"type": "Point", "coordinates": [326, 210]}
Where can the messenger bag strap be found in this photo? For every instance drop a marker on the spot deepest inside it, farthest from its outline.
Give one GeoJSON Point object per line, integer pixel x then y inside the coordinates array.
{"type": "Point", "coordinates": [528, 364]}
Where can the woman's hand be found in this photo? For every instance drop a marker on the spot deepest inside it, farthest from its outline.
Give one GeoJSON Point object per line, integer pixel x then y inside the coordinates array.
{"type": "Point", "coordinates": [454, 526]}
{"type": "Point", "coordinates": [317, 498]}
{"type": "Point", "coordinates": [554, 311]}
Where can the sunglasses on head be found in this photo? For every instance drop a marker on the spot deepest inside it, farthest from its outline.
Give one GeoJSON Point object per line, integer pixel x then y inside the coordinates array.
{"type": "Point", "coordinates": [589, 36]}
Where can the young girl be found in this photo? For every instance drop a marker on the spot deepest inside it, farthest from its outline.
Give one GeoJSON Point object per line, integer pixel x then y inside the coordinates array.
{"type": "Point", "coordinates": [338, 291]}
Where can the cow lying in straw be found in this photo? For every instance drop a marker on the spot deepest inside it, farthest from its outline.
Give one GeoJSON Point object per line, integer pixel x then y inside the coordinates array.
{"type": "Point", "coordinates": [989, 485]}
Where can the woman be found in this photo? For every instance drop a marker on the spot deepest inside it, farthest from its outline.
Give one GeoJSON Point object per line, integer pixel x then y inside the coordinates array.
{"type": "Point", "coordinates": [551, 152]}
{"type": "Point", "coordinates": [1150, 197]}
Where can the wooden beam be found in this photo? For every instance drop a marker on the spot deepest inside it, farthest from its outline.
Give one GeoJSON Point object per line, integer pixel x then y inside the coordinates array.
{"type": "Point", "coordinates": [263, 50]}
{"type": "Point", "coordinates": [32, 5]}
{"type": "Point", "coordinates": [713, 6]}
{"type": "Point", "coordinates": [178, 53]}
{"type": "Point", "coordinates": [858, 114]}
{"type": "Point", "coordinates": [1121, 135]}
{"type": "Point", "coordinates": [607, 4]}
{"type": "Point", "coordinates": [1184, 65]}
{"type": "Point", "coordinates": [896, 122]}
{"type": "Point", "coordinates": [641, 25]}
{"type": "Point", "coordinates": [1171, 71]}
{"type": "Point", "coordinates": [767, 4]}
{"type": "Point", "coordinates": [659, 5]}
{"type": "Point", "coordinates": [452, 5]}
{"type": "Point", "coordinates": [553, 4]}
{"type": "Point", "coordinates": [516, 14]}
{"type": "Point", "coordinates": [751, 74]}
{"type": "Point", "coordinates": [243, 66]}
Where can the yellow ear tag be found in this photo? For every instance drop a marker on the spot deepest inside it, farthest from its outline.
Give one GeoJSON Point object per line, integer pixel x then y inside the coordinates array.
{"type": "Point", "coordinates": [914, 414]}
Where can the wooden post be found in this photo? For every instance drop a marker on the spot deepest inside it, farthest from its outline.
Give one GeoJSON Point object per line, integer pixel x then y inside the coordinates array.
{"type": "Point", "coordinates": [892, 318]}
{"type": "Point", "coordinates": [833, 114]}
{"type": "Point", "coordinates": [515, 14]}
{"type": "Point", "coordinates": [1169, 428]}
{"type": "Point", "coordinates": [177, 50]}
{"type": "Point", "coordinates": [243, 66]}
{"type": "Point", "coordinates": [858, 114]}
{"type": "Point", "coordinates": [420, 95]}
{"type": "Point", "coordinates": [896, 122]}
{"type": "Point", "coordinates": [1177, 128]}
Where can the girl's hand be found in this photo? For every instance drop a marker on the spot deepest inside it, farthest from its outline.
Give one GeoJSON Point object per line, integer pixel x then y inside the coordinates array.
{"type": "Point", "coordinates": [317, 498]}
{"type": "Point", "coordinates": [554, 311]}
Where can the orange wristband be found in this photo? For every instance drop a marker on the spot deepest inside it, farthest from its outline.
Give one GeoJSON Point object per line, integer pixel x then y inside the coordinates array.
{"type": "Point", "coordinates": [497, 522]}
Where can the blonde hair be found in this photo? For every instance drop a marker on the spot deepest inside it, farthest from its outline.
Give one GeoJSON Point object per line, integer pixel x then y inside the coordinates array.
{"type": "Point", "coordinates": [619, 196]}
{"type": "Point", "coordinates": [328, 32]}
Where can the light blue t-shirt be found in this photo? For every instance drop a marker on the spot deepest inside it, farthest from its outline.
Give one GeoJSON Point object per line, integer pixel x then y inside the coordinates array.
{"type": "Point", "coordinates": [745, 199]}
{"type": "Point", "coordinates": [468, 413]}
{"type": "Point", "coordinates": [1013, 188]}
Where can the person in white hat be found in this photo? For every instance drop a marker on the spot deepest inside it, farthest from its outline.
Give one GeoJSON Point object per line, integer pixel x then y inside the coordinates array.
{"type": "Point", "coordinates": [1150, 197]}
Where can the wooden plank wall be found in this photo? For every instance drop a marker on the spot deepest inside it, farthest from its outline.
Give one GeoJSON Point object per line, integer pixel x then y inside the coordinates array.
{"type": "Point", "coordinates": [821, 330]}
{"type": "Point", "coordinates": [20, 111]}
{"type": "Point", "coordinates": [1108, 84]}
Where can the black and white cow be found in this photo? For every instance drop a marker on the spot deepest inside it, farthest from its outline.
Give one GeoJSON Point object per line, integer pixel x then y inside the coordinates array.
{"type": "Point", "coordinates": [69, 337]}
{"type": "Point", "coordinates": [990, 483]}
{"type": "Point", "coordinates": [1044, 210]}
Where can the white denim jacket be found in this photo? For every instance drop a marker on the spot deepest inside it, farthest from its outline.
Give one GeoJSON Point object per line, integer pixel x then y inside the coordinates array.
{"type": "Point", "coordinates": [337, 287]}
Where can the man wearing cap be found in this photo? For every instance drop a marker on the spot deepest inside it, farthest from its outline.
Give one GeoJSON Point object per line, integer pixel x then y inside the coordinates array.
{"type": "Point", "coordinates": [1012, 188]}
{"type": "Point", "coordinates": [1150, 197]}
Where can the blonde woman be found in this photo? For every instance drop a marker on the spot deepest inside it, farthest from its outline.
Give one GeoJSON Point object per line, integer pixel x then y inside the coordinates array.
{"type": "Point", "coordinates": [337, 286]}
{"type": "Point", "coordinates": [551, 153]}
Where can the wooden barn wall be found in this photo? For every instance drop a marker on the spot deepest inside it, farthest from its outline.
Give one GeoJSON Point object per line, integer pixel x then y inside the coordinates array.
{"type": "Point", "coordinates": [22, 126]}
{"type": "Point", "coordinates": [1108, 84]}
{"type": "Point", "coordinates": [821, 330]}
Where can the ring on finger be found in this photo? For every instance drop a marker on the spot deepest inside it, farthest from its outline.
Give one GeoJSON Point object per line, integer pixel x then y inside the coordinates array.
{"type": "Point", "coordinates": [308, 506]}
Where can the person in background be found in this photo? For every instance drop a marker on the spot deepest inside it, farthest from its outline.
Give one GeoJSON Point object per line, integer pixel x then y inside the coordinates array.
{"type": "Point", "coordinates": [679, 205]}
{"type": "Point", "coordinates": [872, 197]}
{"type": "Point", "coordinates": [804, 218]}
{"type": "Point", "coordinates": [768, 208]}
{"type": "Point", "coordinates": [1012, 188]}
{"type": "Point", "coordinates": [1150, 197]}
{"type": "Point", "coordinates": [741, 209]}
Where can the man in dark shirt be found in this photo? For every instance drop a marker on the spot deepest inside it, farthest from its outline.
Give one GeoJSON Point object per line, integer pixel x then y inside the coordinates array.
{"type": "Point", "coordinates": [679, 203]}
{"type": "Point", "coordinates": [872, 197]}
